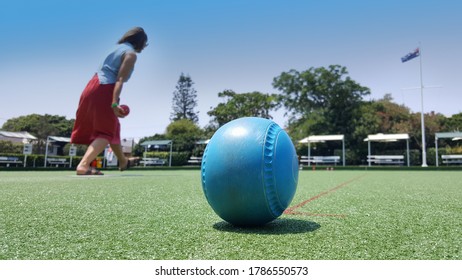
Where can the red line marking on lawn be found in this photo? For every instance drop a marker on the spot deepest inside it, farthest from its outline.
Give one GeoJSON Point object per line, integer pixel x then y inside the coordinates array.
{"type": "Point", "coordinates": [291, 210]}
{"type": "Point", "coordinates": [316, 214]}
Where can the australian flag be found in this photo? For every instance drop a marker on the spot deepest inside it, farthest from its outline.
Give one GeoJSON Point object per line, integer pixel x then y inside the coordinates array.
{"type": "Point", "coordinates": [411, 55]}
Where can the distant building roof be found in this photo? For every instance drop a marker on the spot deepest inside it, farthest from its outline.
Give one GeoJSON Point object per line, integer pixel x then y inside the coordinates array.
{"type": "Point", "coordinates": [156, 142]}
{"type": "Point", "coordinates": [456, 135]}
{"type": "Point", "coordinates": [20, 135]}
{"type": "Point", "coordinates": [380, 137]}
{"type": "Point", "coordinates": [58, 139]}
{"type": "Point", "coordinates": [321, 138]}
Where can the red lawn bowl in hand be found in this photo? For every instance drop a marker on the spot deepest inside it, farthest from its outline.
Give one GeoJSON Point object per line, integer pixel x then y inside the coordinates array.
{"type": "Point", "coordinates": [126, 109]}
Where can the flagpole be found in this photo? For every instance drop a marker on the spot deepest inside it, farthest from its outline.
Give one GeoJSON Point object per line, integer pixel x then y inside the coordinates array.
{"type": "Point", "coordinates": [424, 153]}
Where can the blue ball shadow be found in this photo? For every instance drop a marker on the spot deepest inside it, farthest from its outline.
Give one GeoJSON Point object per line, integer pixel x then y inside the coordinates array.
{"type": "Point", "coordinates": [277, 227]}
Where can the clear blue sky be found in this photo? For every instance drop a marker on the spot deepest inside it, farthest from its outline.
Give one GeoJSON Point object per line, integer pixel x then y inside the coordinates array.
{"type": "Point", "coordinates": [50, 49]}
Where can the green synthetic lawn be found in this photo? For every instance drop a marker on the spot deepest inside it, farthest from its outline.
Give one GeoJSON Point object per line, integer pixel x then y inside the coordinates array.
{"type": "Point", "coordinates": [164, 215]}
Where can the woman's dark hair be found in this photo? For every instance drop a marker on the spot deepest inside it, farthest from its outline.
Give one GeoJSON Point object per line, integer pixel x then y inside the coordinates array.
{"type": "Point", "coordinates": [136, 37]}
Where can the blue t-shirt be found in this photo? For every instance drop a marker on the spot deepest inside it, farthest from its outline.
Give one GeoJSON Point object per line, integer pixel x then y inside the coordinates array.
{"type": "Point", "coordinates": [108, 71]}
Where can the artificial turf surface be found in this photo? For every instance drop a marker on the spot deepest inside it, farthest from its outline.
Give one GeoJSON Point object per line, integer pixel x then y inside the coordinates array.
{"type": "Point", "coordinates": [162, 214]}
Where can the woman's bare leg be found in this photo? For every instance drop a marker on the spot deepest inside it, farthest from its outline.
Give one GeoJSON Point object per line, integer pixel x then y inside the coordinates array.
{"type": "Point", "coordinates": [94, 149]}
{"type": "Point", "coordinates": [123, 161]}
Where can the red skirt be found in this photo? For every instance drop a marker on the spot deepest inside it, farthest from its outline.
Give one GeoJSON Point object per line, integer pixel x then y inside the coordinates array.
{"type": "Point", "coordinates": [95, 117]}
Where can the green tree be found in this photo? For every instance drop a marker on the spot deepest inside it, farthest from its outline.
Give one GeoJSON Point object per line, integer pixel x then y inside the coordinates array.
{"type": "Point", "coordinates": [434, 122]}
{"type": "Point", "coordinates": [184, 100]}
{"type": "Point", "coordinates": [394, 118]}
{"type": "Point", "coordinates": [41, 126]}
{"type": "Point", "coordinates": [454, 123]}
{"type": "Point", "coordinates": [378, 116]}
{"type": "Point", "coordinates": [252, 104]}
{"type": "Point", "coordinates": [369, 121]}
{"type": "Point", "coordinates": [320, 100]}
{"type": "Point", "coordinates": [184, 134]}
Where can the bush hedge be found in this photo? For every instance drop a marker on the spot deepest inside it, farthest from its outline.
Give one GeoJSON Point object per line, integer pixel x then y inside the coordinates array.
{"type": "Point", "coordinates": [178, 158]}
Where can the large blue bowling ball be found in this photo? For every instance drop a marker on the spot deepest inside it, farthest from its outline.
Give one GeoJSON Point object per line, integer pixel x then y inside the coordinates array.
{"type": "Point", "coordinates": [249, 171]}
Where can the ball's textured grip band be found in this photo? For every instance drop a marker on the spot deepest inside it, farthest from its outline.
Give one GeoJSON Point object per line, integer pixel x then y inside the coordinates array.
{"type": "Point", "coordinates": [268, 177]}
{"type": "Point", "coordinates": [204, 161]}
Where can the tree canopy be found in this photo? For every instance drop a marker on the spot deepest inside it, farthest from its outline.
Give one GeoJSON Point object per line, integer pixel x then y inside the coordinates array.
{"type": "Point", "coordinates": [320, 100]}
{"type": "Point", "coordinates": [184, 134]}
{"type": "Point", "coordinates": [41, 126]}
{"type": "Point", "coordinates": [238, 105]}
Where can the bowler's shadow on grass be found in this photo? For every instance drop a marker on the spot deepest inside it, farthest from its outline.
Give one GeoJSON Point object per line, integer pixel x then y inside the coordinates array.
{"type": "Point", "coordinates": [276, 227]}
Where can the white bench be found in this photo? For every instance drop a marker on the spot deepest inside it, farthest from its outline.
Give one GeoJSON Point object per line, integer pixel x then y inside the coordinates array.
{"type": "Point", "coordinates": [57, 161]}
{"type": "Point", "coordinates": [152, 161]}
{"type": "Point", "coordinates": [320, 159]}
{"type": "Point", "coordinates": [10, 160]}
{"type": "Point", "coordinates": [452, 159]}
{"type": "Point", "coordinates": [195, 160]}
{"type": "Point", "coordinates": [386, 159]}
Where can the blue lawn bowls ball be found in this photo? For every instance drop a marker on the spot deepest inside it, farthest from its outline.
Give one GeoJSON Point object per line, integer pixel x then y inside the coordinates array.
{"type": "Point", "coordinates": [249, 171]}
